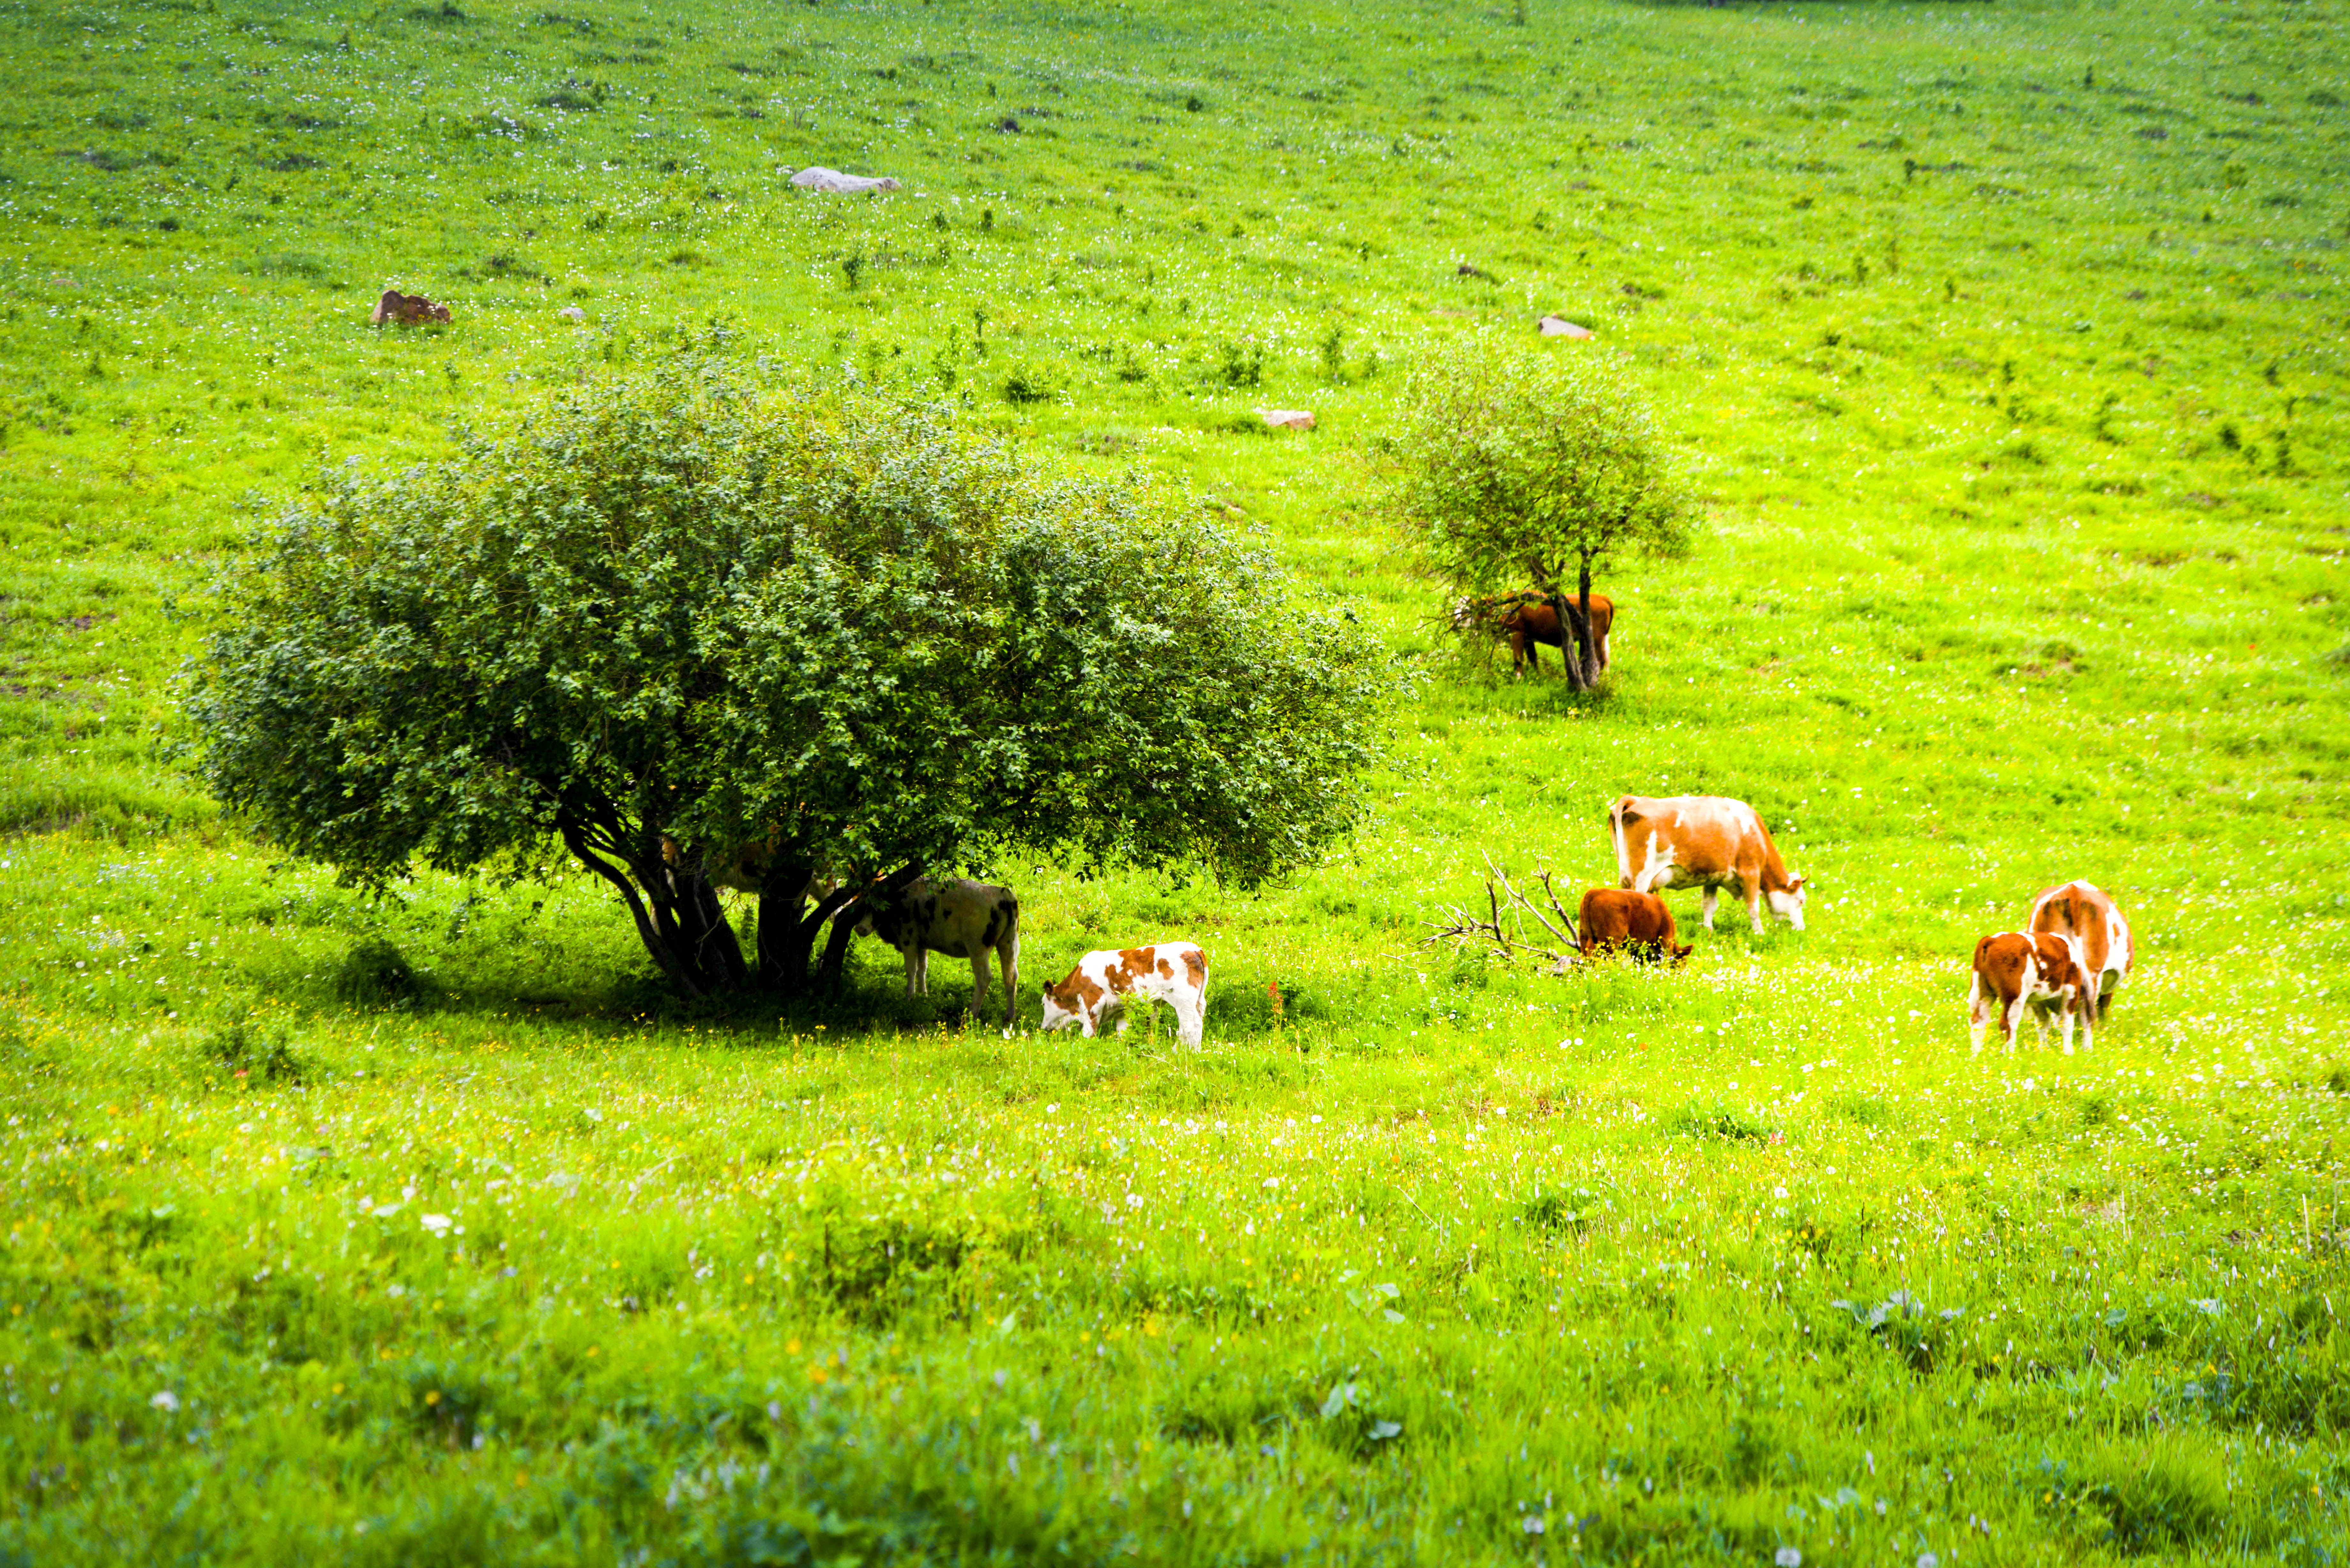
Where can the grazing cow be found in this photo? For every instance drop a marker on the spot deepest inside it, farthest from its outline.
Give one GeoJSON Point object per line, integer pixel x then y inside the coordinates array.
{"type": "Point", "coordinates": [1703, 841]}
{"type": "Point", "coordinates": [1173, 972]}
{"type": "Point", "coordinates": [407, 309]}
{"type": "Point", "coordinates": [2041, 969]}
{"type": "Point", "coordinates": [1639, 923]}
{"type": "Point", "coordinates": [958, 918]}
{"type": "Point", "coordinates": [2080, 910]}
{"type": "Point", "coordinates": [1528, 621]}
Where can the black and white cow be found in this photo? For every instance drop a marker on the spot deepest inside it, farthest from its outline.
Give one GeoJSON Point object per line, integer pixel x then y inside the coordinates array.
{"type": "Point", "coordinates": [958, 918]}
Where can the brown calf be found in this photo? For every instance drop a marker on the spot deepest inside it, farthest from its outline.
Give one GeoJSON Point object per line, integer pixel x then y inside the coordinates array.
{"type": "Point", "coordinates": [1639, 923]}
{"type": "Point", "coordinates": [2039, 969]}
{"type": "Point", "coordinates": [1529, 622]}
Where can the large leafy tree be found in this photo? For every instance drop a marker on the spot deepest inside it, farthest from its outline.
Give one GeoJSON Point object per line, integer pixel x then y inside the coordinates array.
{"type": "Point", "coordinates": [1519, 462]}
{"type": "Point", "coordinates": [694, 629]}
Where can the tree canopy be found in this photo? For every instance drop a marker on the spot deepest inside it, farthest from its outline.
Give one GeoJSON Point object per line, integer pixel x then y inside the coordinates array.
{"type": "Point", "coordinates": [683, 622]}
{"type": "Point", "coordinates": [1525, 462]}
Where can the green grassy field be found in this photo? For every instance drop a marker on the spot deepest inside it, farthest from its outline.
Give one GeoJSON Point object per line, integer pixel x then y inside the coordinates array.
{"type": "Point", "coordinates": [2004, 344]}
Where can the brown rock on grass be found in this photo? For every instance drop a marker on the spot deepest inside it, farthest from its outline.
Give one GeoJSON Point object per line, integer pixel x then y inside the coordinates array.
{"type": "Point", "coordinates": [407, 309]}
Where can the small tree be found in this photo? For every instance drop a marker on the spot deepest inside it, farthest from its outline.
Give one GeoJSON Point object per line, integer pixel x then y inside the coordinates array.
{"type": "Point", "coordinates": [1521, 462]}
{"type": "Point", "coordinates": [684, 627]}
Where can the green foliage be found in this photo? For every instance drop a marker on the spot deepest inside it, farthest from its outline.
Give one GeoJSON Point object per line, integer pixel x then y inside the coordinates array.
{"type": "Point", "coordinates": [1521, 464]}
{"type": "Point", "coordinates": [675, 610]}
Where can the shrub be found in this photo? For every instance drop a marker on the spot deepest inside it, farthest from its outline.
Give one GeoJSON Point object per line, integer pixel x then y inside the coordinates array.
{"type": "Point", "coordinates": [376, 974]}
{"type": "Point", "coordinates": [257, 1052]}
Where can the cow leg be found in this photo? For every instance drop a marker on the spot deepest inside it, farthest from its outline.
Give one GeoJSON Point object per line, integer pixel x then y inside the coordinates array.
{"type": "Point", "coordinates": [2089, 1027]}
{"type": "Point", "coordinates": [1713, 895]}
{"type": "Point", "coordinates": [1753, 891]}
{"type": "Point", "coordinates": [2068, 1027]}
{"type": "Point", "coordinates": [2014, 1018]}
{"type": "Point", "coordinates": [978, 980]}
{"type": "Point", "coordinates": [913, 957]}
{"type": "Point", "coordinates": [1190, 1016]}
{"type": "Point", "coordinates": [1008, 956]}
{"type": "Point", "coordinates": [1978, 1015]}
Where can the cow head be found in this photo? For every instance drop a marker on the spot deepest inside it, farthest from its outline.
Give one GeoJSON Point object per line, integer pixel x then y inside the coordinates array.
{"type": "Point", "coordinates": [1680, 955]}
{"type": "Point", "coordinates": [1057, 1015]}
{"type": "Point", "coordinates": [1787, 902]}
{"type": "Point", "coordinates": [1464, 613]}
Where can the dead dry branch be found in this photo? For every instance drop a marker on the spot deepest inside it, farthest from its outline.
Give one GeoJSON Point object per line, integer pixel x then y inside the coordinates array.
{"type": "Point", "coordinates": [1511, 930]}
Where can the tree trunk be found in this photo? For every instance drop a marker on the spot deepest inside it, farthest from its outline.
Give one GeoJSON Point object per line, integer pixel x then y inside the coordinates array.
{"type": "Point", "coordinates": [1588, 646]}
{"type": "Point", "coordinates": [1569, 627]}
{"type": "Point", "coordinates": [676, 910]}
{"type": "Point", "coordinates": [861, 902]}
{"type": "Point", "coordinates": [788, 929]}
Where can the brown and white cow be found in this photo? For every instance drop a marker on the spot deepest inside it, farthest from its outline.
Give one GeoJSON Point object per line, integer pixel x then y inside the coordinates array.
{"type": "Point", "coordinates": [1528, 621]}
{"type": "Point", "coordinates": [407, 309]}
{"type": "Point", "coordinates": [1638, 923]}
{"type": "Point", "coordinates": [1703, 841]}
{"type": "Point", "coordinates": [2040, 969]}
{"type": "Point", "coordinates": [958, 918]}
{"type": "Point", "coordinates": [1096, 990]}
{"type": "Point", "coordinates": [2082, 911]}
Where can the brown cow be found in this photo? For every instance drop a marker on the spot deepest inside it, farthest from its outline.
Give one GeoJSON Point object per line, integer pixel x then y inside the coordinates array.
{"type": "Point", "coordinates": [1528, 621]}
{"type": "Point", "coordinates": [1703, 841]}
{"type": "Point", "coordinates": [407, 309]}
{"type": "Point", "coordinates": [2041, 970]}
{"type": "Point", "coordinates": [2080, 910]}
{"type": "Point", "coordinates": [1639, 923]}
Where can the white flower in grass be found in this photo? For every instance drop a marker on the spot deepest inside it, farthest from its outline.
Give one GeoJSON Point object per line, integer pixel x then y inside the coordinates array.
{"type": "Point", "coordinates": [1928, 1560]}
{"type": "Point", "coordinates": [1789, 1557]}
{"type": "Point", "coordinates": [437, 1223]}
{"type": "Point", "coordinates": [166, 1401]}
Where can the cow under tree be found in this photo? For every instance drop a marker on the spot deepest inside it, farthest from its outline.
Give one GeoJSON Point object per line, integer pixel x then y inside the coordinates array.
{"type": "Point", "coordinates": [1703, 841]}
{"type": "Point", "coordinates": [958, 918]}
{"type": "Point", "coordinates": [1529, 620]}
{"type": "Point", "coordinates": [1536, 466]}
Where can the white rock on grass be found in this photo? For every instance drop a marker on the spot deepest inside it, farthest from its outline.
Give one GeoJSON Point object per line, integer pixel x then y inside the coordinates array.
{"type": "Point", "coordinates": [572, 313]}
{"type": "Point", "coordinates": [1560, 327]}
{"type": "Point", "coordinates": [819, 178]}
{"type": "Point", "coordinates": [1286, 418]}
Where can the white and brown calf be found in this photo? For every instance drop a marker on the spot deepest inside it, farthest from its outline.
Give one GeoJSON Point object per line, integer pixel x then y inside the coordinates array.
{"type": "Point", "coordinates": [1096, 990]}
{"type": "Point", "coordinates": [2039, 970]}
{"type": "Point", "coordinates": [958, 918]}
{"type": "Point", "coordinates": [2081, 910]}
